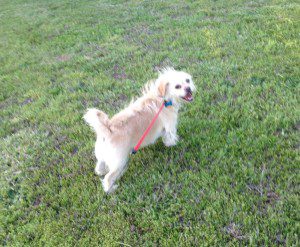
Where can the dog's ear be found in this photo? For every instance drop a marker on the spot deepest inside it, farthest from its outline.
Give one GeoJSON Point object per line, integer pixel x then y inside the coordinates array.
{"type": "Point", "coordinates": [162, 88]}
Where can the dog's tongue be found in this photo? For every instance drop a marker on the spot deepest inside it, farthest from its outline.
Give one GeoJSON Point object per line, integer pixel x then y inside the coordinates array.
{"type": "Point", "coordinates": [188, 96]}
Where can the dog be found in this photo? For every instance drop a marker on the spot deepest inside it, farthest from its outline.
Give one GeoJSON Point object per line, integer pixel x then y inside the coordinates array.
{"type": "Point", "coordinates": [117, 136]}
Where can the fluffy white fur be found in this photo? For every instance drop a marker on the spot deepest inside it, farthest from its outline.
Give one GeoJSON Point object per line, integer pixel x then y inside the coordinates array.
{"type": "Point", "coordinates": [117, 136]}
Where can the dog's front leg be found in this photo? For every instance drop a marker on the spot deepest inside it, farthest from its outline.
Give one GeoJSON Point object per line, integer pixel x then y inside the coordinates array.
{"type": "Point", "coordinates": [170, 137]}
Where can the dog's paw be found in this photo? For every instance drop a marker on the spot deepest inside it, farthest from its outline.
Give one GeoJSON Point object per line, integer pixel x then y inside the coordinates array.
{"type": "Point", "coordinates": [100, 172]}
{"type": "Point", "coordinates": [169, 142]}
{"type": "Point", "coordinates": [105, 185]}
{"type": "Point", "coordinates": [97, 172]}
{"type": "Point", "coordinates": [108, 188]}
{"type": "Point", "coordinates": [170, 139]}
{"type": "Point", "coordinates": [101, 169]}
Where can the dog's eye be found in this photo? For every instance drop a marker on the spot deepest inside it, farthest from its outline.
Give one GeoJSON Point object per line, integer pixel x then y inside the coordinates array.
{"type": "Point", "coordinates": [178, 86]}
{"type": "Point", "coordinates": [187, 80]}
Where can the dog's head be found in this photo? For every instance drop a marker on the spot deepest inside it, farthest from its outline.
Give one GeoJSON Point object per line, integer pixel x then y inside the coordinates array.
{"type": "Point", "coordinates": [175, 85]}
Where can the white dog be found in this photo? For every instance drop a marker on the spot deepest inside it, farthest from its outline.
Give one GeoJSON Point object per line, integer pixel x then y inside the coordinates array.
{"type": "Point", "coordinates": [117, 136]}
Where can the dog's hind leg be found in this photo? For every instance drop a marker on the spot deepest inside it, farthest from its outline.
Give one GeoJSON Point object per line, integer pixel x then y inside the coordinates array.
{"type": "Point", "coordinates": [111, 177]}
{"type": "Point", "coordinates": [101, 169]}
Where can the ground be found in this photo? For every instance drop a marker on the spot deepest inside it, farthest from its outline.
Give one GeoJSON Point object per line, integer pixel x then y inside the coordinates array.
{"type": "Point", "coordinates": [232, 179]}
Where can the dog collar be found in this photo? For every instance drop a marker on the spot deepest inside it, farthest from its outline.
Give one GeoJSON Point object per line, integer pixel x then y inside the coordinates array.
{"type": "Point", "coordinates": [168, 103]}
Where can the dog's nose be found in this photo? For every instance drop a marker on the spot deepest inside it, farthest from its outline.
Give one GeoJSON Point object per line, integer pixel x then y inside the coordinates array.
{"type": "Point", "coordinates": [188, 89]}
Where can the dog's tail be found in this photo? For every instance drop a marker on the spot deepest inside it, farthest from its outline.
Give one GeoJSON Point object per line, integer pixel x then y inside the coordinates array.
{"type": "Point", "coordinates": [99, 121]}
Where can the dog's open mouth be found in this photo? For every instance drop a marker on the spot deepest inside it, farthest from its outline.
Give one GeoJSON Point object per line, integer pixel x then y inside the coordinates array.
{"type": "Point", "coordinates": [188, 97]}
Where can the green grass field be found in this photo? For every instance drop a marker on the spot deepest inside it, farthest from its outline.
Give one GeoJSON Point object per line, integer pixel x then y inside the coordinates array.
{"type": "Point", "coordinates": [233, 179]}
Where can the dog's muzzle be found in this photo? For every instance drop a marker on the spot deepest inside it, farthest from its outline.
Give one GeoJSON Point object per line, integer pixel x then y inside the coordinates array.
{"type": "Point", "coordinates": [189, 95]}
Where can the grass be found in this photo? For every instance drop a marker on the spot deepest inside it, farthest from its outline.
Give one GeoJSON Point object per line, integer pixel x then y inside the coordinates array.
{"type": "Point", "coordinates": [233, 179]}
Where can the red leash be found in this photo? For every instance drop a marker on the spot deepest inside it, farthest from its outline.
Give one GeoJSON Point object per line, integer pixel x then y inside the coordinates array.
{"type": "Point", "coordinates": [136, 148]}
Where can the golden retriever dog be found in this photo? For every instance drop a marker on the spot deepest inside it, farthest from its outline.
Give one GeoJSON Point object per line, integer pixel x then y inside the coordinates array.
{"type": "Point", "coordinates": [117, 136]}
